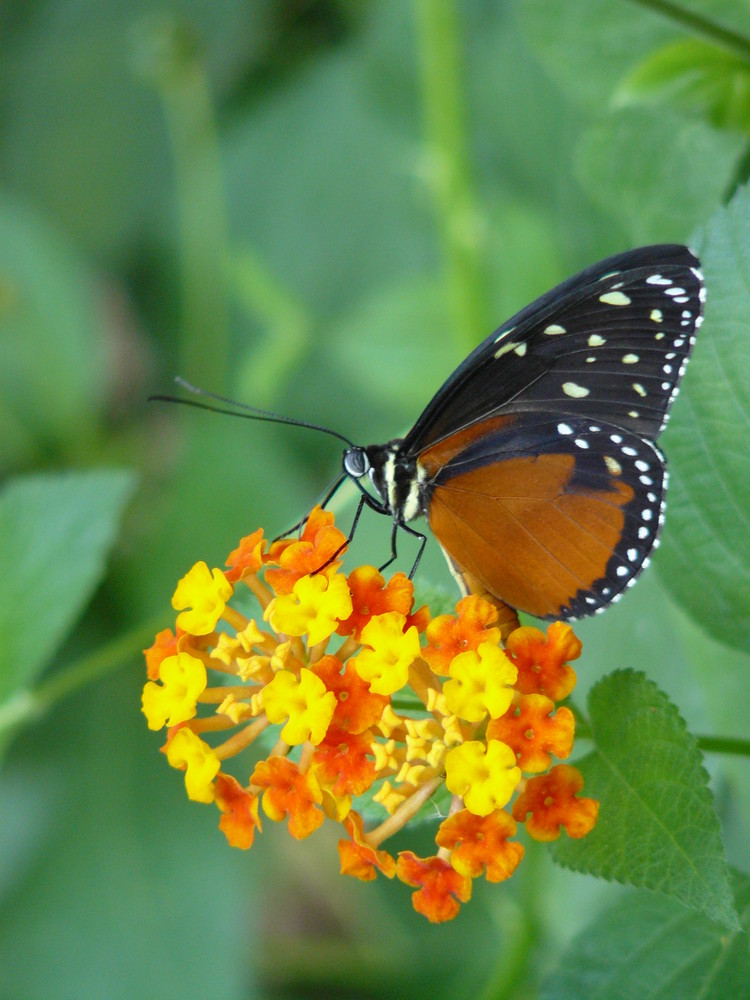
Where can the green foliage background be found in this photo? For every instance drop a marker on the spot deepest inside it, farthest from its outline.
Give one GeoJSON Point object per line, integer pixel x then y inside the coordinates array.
{"type": "Point", "coordinates": [320, 207]}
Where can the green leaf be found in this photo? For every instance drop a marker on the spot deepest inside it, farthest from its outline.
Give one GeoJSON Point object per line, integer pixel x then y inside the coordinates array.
{"type": "Point", "coordinates": [691, 75]}
{"type": "Point", "coordinates": [705, 560]}
{"type": "Point", "coordinates": [632, 163]}
{"type": "Point", "coordinates": [408, 323]}
{"type": "Point", "coordinates": [55, 532]}
{"type": "Point", "coordinates": [51, 344]}
{"type": "Point", "coordinates": [589, 44]}
{"type": "Point", "coordinates": [657, 827]}
{"type": "Point", "coordinates": [647, 947]}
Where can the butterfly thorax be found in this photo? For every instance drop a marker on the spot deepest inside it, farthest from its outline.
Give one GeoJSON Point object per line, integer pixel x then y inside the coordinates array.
{"type": "Point", "coordinates": [394, 475]}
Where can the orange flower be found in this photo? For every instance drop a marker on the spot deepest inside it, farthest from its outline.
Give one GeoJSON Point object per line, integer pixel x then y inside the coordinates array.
{"type": "Point", "coordinates": [317, 686]}
{"type": "Point", "coordinates": [319, 543]}
{"type": "Point", "coordinates": [343, 763]}
{"type": "Point", "coordinates": [533, 733]}
{"type": "Point", "coordinates": [357, 707]}
{"type": "Point", "coordinates": [449, 635]}
{"type": "Point", "coordinates": [289, 792]}
{"type": "Point", "coordinates": [240, 810]}
{"type": "Point", "coordinates": [247, 558]}
{"type": "Point", "coordinates": [164, 645]}
{"type": "Point", "coordinates": [551, 800]}
{"type": "Point", "coordinates": [372, 596]}
{"type": "Point", "coordinates": [481, 842]}
{"type": "Point", "coordinates": [440, 886]}
{"type": "Point", "coordinates": [358, 858]}
{"type": "Point", "coordinates": [543, 661]}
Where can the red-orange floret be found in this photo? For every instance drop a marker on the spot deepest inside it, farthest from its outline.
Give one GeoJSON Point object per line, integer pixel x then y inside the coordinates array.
{"type": "Point", "coordinates": [295, 558]}
{"type": "Point", "coordinates": [358, 858]}
{"type": "Point", "coordinates": [343, 761]}
{"type": "Point", "coordinates": [240, 809]}
{"type": "Point", "coordinates": [441, 887]}
{"type": "Point", "coordinates": [164, 645]}
{"type": "Point", "coordinates": [550, 802]}
{"type": "Point", "coordinates": [542, 661]}
{"type": "Point", "coordinates": [371, 595]}
{"type": "Point", "coordinates": [290, 792]}
{"type": "Point", "coordinates": [533, 733]}
{"type": "Point", "coordinates": [449, 635]}
{"type": "Point", "coordinates": [481, 842]}
{"type": "Point", "coordinates": [357, 707]}
{"type": "Point", "coordinates": [247, 558]}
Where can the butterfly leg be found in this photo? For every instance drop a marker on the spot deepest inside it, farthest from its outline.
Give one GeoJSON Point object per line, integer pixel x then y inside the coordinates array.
{"type": "Point", "coordinates": [326, 499]}
{"type": "Point", "coordinates": [417, 534]}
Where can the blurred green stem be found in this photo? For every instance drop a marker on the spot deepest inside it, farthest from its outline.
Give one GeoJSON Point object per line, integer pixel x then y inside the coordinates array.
{"type": "Point", "coordinates": [701, 26]}
{"type": "Point", "coordinates": [173, 63]}
{"type": "Point", "coordinates": [287, 324]}
{"type": "Point", "coordinates": [710, 744]}
{"type": "Point", "coordinates": [27, 706]}
{"type": "Point", "coordinates": [449, 167]}
{"type": "Point", "coordinates": [518, 953]}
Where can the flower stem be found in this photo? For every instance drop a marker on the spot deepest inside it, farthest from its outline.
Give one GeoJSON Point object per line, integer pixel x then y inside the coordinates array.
{"type": "Point", "coordinates": [709, 744]}
{"type": "Point", "coordinates": [170, 59]}
{"type": "Point", "coordinates": [449, 168]}
{"type": "Point", "coordinates": [27, 706]}
{"type": "Point", "coordinates": [701, 26]}
{"type": "Point", "coordinates": [289, 328]}
{"type": "Point", "coordinates": [406, 811]}
{"type": "Point", "coordinates": [724, 744]}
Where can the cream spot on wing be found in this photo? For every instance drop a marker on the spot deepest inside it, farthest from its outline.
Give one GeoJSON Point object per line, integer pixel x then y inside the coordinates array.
{"type": "Point", "coordinates": [574, 390]}
{"type": "Point", "coordinates": [615, 299]}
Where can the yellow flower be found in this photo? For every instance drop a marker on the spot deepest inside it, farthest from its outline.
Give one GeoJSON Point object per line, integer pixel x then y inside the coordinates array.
{"type": "Point", "coordinates": [385, 666]}
{"type": "Point", "coordinates": [183, 679]}
{"type": "Point", "coordinates": [205, 593]}
{"type": "Point", "coordinates": [189, 753]}
{"type": "Point", "coordinates": [314, 608]}
{"type": "Point", "coordinates": [306, 703]}
{"type": "Point", "coordinates": [486, 777]}
{"type": "Point", "coordinates": [479, 683]}
{"type": "Point", "coordinates": [351, 708]}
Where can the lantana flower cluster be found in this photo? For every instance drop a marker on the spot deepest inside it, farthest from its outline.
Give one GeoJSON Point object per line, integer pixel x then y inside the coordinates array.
{"type": "Point", "coordinates": [368, 712]}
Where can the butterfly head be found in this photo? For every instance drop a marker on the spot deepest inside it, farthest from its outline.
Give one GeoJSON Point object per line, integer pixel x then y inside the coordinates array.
{"type": "Point", "coordinates": [376, 462]}
{"type": "Point", "coordinates": [394, 476]}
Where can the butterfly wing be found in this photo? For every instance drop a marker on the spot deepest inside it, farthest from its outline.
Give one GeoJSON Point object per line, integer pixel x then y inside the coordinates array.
{"type": "Point", "coordinates": [610, 343]}
{"type": "Point", "coordinates": [555, 518]}
{"type": "Point", "coordinates": [540, 476]}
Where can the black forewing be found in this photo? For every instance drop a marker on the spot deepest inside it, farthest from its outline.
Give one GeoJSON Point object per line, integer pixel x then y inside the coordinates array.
{"type": "Point", "coordinates": [610, 343]}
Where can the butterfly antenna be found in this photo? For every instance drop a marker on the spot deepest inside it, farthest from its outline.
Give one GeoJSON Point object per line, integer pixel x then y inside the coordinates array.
{"type": "Point", "coordinates": [251, 412]}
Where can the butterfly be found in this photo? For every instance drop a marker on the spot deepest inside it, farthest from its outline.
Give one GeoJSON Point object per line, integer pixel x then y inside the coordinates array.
{"type": "Point", "coordinates": [536, 462]}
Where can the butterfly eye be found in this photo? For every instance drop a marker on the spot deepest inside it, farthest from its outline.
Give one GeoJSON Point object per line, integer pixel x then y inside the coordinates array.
{"type": "Point", "coordinates": [356, 463]}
